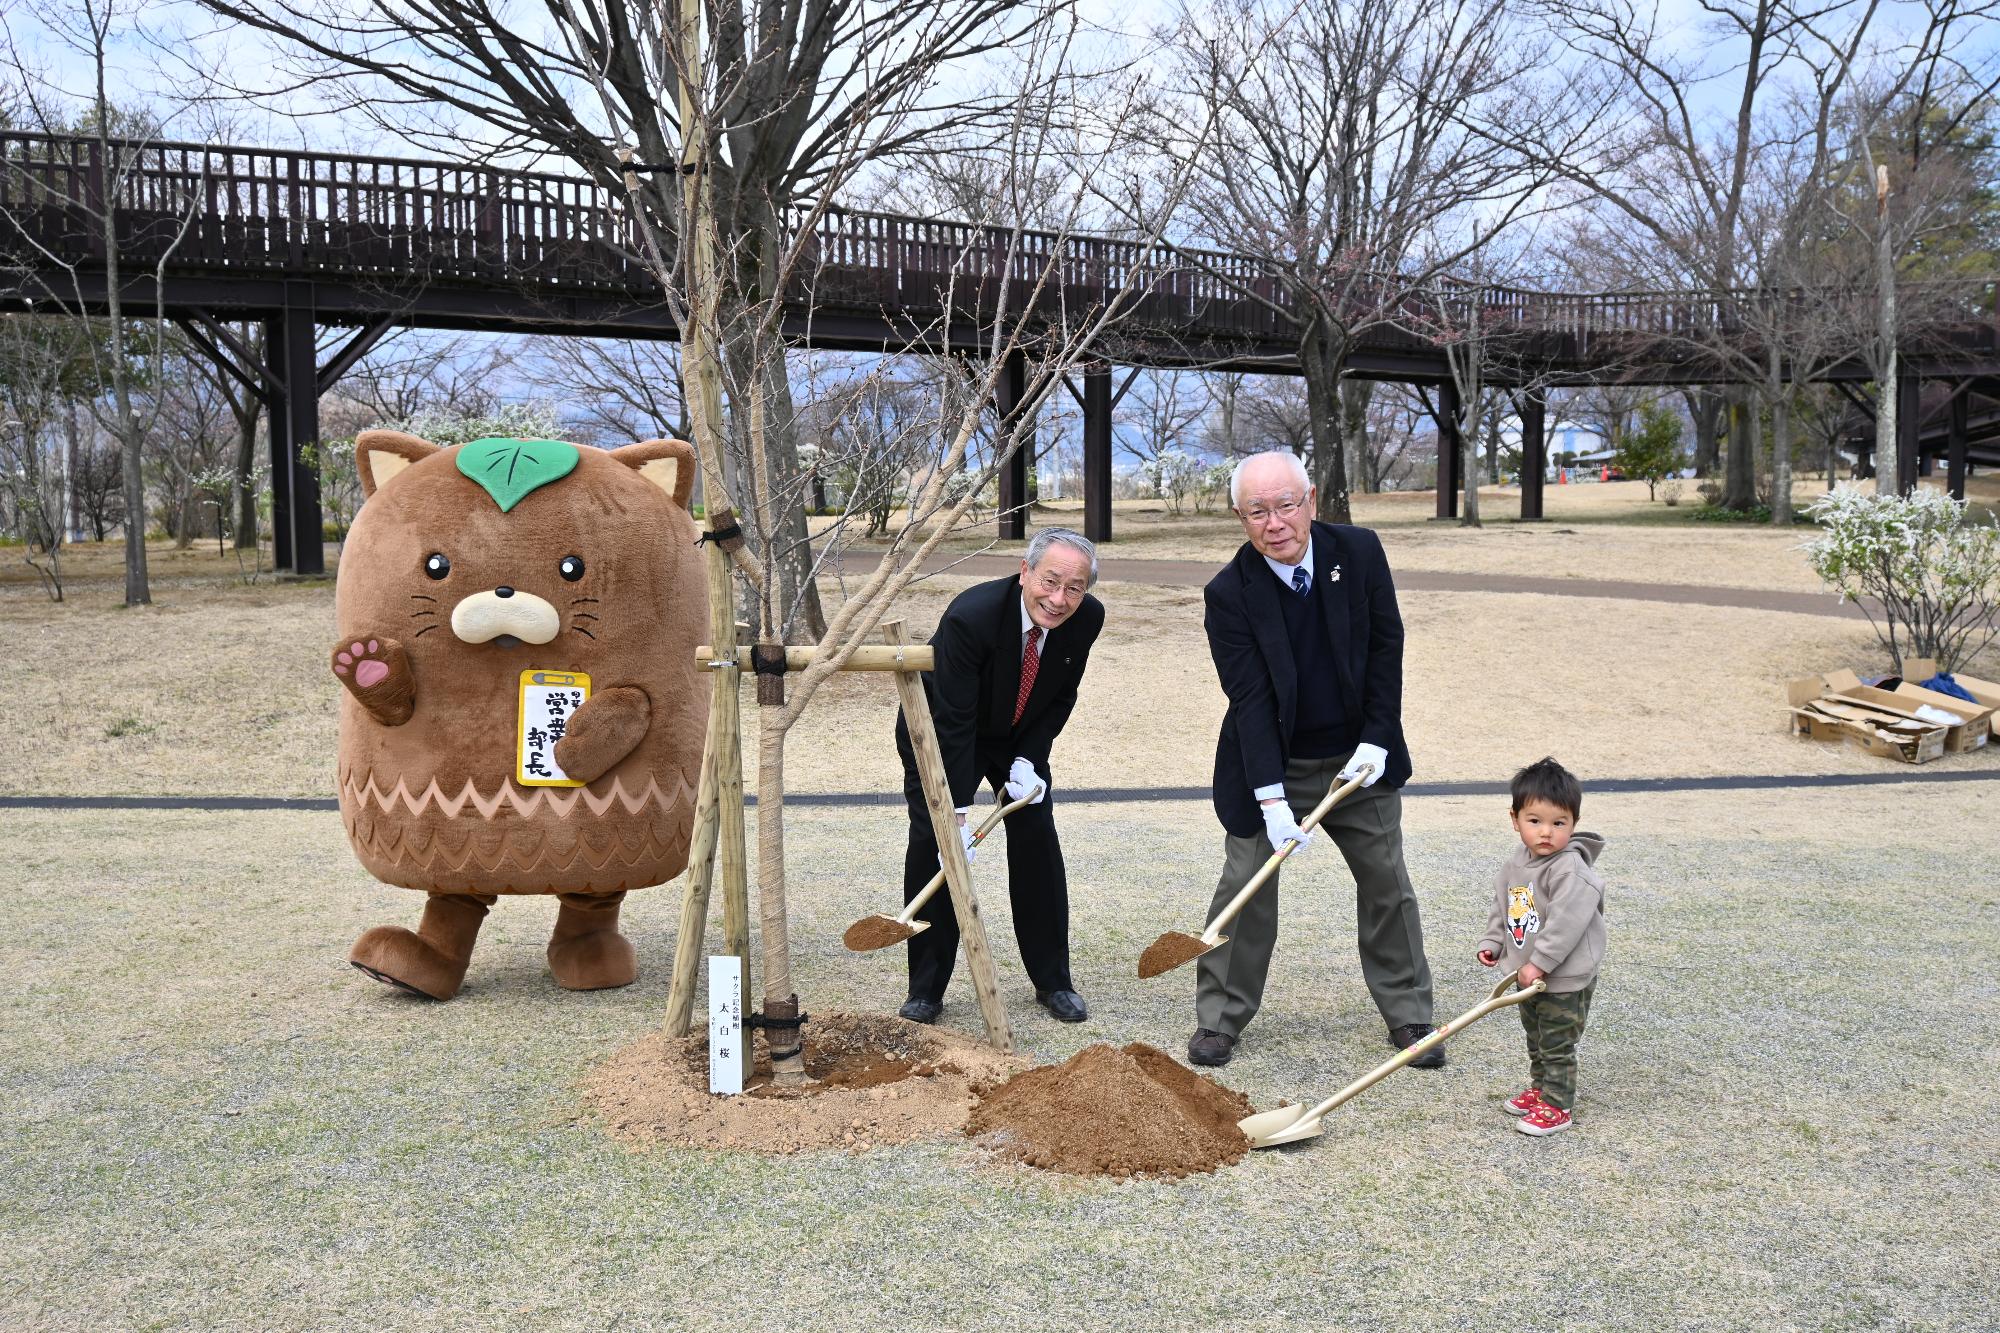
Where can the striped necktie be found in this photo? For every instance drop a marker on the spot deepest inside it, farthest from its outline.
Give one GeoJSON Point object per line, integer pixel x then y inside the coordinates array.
{"type": "Point", "coordinates": [1301, 581]}
{"type": "Point", "coordinates": [1031, 664]}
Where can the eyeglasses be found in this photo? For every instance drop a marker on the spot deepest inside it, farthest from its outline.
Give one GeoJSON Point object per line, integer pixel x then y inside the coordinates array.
{"type": "Point", "coordinates": [1050, 584]}
{"type": "Point", "coordinates": [1258, 514]}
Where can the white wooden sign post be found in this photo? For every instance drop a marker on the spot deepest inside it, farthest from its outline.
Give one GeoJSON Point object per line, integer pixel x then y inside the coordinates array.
{"type": "Point", "coordinates": [728, 1041]}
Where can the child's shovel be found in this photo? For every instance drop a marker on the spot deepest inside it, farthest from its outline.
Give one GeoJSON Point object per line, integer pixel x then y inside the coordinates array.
{"type": "Point", "coordinates": [879, 932]}
{"type": "Point", "coordinates": [1177, 946]}
{"type": "Point", "coordinates": [1289, 1124]}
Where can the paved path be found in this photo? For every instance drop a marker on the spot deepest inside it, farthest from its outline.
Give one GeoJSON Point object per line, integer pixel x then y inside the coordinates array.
{"type": "Point", "coordinates": [1086, 795]}
{"type": "Point", "coordinates": [1195, 573]}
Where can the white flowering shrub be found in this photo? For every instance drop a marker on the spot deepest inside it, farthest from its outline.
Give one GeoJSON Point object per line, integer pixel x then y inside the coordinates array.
{"type": "Point", "coordinates": [1174, 474]}
{"type": "Point", "coordinates": [534, 420]}
{"type": "Point", "coordinates": [1926, 572]}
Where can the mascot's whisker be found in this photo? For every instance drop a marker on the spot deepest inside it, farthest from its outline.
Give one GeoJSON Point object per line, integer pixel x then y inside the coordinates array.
{"type": "Point", "coordinates": [427, 629]}
{"type": "Point", "coordinates": [584, 632]}
{"type": "Point", "coordinates": [583, 615]}
{"type": "Point", "coordinates": [579, 601]}
{"type": "Point", "coordinates": [421, 597]}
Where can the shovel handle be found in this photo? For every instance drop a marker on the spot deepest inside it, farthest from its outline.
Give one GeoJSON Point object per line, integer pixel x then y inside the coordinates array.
{"type": "Point", "coordinates": [1499, 999]}
{"type": "Point", "coordinates": [1277, 858]}
{"type": "Point", "coordinates": [992, 822]}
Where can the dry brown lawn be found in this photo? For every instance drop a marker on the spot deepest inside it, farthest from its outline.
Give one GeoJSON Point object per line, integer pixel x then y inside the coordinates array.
{"type": "Point", "coordinates": [223, 689]}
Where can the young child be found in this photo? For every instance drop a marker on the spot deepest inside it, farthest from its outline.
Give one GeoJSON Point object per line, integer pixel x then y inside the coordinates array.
{"type": "Point", "coordinates": [1548, 922]}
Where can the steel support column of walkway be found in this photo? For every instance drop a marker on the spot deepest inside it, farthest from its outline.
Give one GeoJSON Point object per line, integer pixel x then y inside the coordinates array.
{"type": "Point", "coordinates": [1909, 423]}
{"type": "Point", "coordinates": [1014, 494]}
{"type": "Point", "coordinates": [1956, 431]}
{"type": "Point", "coordinates": [292, 357]}
{"type": "Point", "coordinates": [1097, 403]}
{"type": "Point", "coordinates": [1533, 409]}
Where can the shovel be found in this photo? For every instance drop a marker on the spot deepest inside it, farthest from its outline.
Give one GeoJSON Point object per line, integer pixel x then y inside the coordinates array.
{"type": "Point", "coordinates": [1289, 1124]}
{"type": "Point", "coordinates": [879, 932]}
{"type": "Point", "coordinates": [1177, 946]}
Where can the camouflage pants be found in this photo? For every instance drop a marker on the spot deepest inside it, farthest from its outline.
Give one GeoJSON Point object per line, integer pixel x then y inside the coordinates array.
{"type": "Point", "coordinates": [1554, 1024]}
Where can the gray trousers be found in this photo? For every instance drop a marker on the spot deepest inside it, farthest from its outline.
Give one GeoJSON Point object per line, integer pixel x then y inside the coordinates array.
{"type": "Point", "coordinates": [1368, 828]}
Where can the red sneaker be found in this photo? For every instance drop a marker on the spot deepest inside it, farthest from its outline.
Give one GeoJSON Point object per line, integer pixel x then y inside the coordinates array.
{"type": "Point", "coordinates": [1544, 1119]}
{"type": "Point", "coordinates": [1522, 1102]}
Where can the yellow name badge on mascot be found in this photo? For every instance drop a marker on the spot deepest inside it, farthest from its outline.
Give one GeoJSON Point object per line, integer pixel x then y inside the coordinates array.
{"type": "Point", "coordinates": [548, 700]}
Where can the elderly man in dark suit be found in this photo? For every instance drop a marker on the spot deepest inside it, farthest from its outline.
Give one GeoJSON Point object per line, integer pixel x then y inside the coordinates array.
{"type": "Point", "coordinates": [1306, 637]}
{"type": "Point", "coordinates": [1009, 655]}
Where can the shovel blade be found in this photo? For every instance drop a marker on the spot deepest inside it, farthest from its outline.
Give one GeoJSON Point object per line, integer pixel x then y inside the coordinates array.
{"type": "Point", "coordinates": [879, 932]}
{"type": "Point", "coordinates": [1287, 1124]}
{"type": "Point", "coordinates": [1173, 949]}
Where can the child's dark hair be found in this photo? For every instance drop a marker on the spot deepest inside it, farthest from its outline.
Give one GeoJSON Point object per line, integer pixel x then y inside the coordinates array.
{"type": "Point", "coordinates": [1546, 780]}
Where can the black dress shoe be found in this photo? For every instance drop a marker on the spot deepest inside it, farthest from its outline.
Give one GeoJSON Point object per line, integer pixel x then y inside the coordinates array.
{"type": "Point", "coordinates": [1211, 1048]}
{"type": "Point", "coordinates": [1409, 1035]}
{"type": "Point", "coordinates": [1066, 1005]}
{"type": "Point", "coordinates": [920, 1011]}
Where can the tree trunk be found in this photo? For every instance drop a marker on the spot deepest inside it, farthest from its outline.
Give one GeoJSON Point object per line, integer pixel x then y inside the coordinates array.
{"type": "Point", "coordinates": [1468, 445]}
{"type": "Point", "coordinates": [1886, 480]}
{"type": "Point", "coordinates": [246, 469]}
{"type": "Point", "coordinates": [1355, 396]}
{"type": "Point", "coordinates": [1320, 355]}
{"type": "Point", "coordinates": [1739, 488]}
{"type": "Point", "coordinates": [779, 995]}
{"type": "Point", "coordinates": [1705, 407]}
{"type": "Point", "coordinates": [130, 440]}
{"type": "Point", "coordinates": [1781, 448]}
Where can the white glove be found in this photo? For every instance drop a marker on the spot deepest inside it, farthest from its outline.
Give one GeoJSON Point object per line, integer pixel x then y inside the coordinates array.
{"type": "Point", "coordinates": [1022, 779]}
{"type": "Point", "coordinates": [1374, 756]}
{"type": "Point", "coordinates": [1280, 828]}
{"type": "Point", "coordinates": [966, 834]}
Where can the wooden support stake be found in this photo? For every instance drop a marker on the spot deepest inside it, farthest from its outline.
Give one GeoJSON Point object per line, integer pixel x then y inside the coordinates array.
{"type": "Point", "coordinates": [689, 942]}
{"type": "Point", "coordinates": [957, 874]}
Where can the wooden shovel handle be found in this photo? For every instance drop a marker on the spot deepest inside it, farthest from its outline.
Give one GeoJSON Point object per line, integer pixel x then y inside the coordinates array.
{"type": "Point", "coordinates": [1248, 891]}
{"type": "Point", "coordinates": [1499, 999]}
{"type": "Point", "coordinates": [992, 822]}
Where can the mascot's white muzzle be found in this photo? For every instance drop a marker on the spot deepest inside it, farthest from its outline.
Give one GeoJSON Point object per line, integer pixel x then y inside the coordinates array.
{"type": "Point", "coordinates": [505, 614]}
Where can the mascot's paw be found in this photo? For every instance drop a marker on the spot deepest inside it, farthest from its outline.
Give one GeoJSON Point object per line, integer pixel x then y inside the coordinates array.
{"type": "Point", "coordinates": [601, 960]}
{"type": "Point", "coordinates": [377, 673]}
{"type": "Point", "coordinates": [405, 960]}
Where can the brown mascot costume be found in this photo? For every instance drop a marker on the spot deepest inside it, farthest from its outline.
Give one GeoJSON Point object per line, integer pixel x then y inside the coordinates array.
{"type": "Point", "coordinates": [518, 620]}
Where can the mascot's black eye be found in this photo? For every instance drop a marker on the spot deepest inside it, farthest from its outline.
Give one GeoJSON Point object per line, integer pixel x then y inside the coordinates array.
{"type": "Point", "coordinates": [436, 565]}
{"type": "Point", "coordinates": [571, 567]}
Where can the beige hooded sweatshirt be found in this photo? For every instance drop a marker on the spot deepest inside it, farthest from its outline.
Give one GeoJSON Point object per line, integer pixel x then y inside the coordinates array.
{"type": "Point", "coordinates": [1549, 911]}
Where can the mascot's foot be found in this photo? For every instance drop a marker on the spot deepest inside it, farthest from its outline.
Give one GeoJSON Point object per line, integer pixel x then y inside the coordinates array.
{"type": "Point", "coordinates": [430, 960]}
{"type": "Point", "coordinates": [586, 952]}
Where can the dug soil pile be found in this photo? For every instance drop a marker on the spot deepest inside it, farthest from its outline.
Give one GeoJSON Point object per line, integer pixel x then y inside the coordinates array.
{"type": "Point", "coordinates": [1112, 1112]}
{"type": "Point", "coordinates": [876, 1080]}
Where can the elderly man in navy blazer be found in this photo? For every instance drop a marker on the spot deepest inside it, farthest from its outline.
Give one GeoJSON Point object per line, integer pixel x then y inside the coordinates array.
{"type": "Point", "coordinates": [1307, 640]}
{"type": "Point", "coordinates": [1009, 655]}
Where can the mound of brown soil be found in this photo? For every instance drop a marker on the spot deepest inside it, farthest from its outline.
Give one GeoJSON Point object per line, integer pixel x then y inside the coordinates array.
{"type": "Point", "coordinates": [875, 1080]}
{"type": "Point", "coordinates": [1112, 1112]}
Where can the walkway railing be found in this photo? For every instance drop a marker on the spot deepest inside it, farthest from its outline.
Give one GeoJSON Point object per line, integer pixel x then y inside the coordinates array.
{"type": "Point", "coordinates": [225, 209]}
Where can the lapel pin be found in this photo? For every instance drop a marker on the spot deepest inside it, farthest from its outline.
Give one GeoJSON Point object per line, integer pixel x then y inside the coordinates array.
{"type": "Point", "coordinates": [1333, 575]}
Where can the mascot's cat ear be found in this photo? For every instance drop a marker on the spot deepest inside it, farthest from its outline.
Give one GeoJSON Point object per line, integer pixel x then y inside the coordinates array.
{"type": "Point", "coordinates": [668, 464]}
{"type": "Point", "coordinates": [380, 454]}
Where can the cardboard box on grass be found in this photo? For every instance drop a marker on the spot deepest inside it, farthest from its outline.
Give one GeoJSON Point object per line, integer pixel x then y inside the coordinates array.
{"type": "Point", "coordinates": [1970, 733]}
{"type": "Point", "coordinates": [1985, 691]}
{"type": "Point", "coordinates": [1838, 706]}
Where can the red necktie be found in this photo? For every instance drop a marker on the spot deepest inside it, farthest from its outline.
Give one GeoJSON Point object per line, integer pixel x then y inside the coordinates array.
{"type": "Point", "coordinates": [1031, 663]}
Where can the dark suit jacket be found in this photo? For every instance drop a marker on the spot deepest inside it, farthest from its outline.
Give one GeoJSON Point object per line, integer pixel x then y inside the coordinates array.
{"type": "Point", "coordinates": [978, 674]}
{"type": "Point", "coordinates": [1253, 657]}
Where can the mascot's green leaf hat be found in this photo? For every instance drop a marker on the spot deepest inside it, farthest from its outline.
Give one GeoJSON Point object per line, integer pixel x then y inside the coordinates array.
{"type": "Point", "coordinates": [511, 469]}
